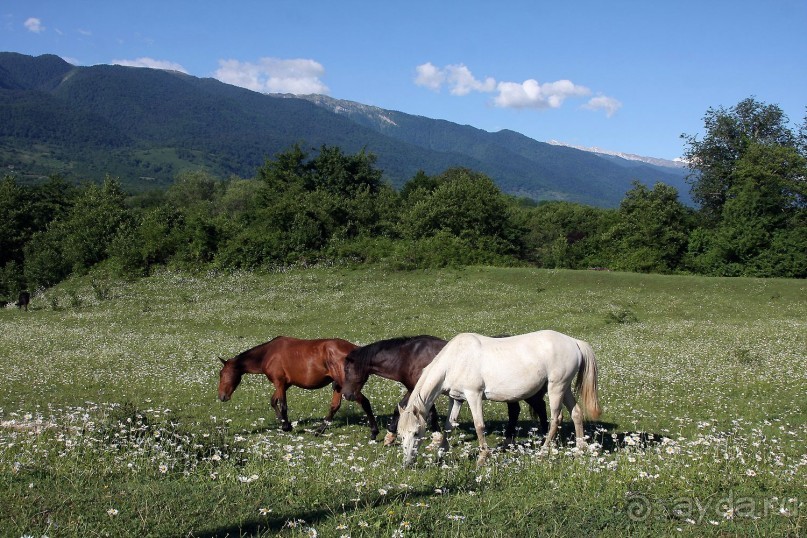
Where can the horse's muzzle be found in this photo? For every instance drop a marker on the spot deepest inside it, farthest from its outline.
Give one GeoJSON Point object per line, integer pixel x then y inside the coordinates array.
{"type": "Point", "coordinates": [349, 396]}
{"type": "Point", "coordinates": [223, 398]}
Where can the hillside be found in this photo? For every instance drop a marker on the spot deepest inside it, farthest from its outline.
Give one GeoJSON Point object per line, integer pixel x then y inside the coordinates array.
{"type": "Point", "coordinates": [145, 125]}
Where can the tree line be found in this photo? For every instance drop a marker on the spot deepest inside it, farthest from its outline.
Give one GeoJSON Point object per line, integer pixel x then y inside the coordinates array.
{"type": "Point", "coordinates": [748, 178]}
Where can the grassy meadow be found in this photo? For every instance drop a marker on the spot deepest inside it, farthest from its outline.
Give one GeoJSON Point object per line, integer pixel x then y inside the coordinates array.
{"type": "Point", "coordinates": [111, 426]}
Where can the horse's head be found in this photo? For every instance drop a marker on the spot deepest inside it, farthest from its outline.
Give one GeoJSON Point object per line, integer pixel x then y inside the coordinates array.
{"type": "Point", "coordinates": [411, 426]}
{"type": "Point", "coordinates": [356, 375]}
{"type": "Point", "coordinates": [229, 378]}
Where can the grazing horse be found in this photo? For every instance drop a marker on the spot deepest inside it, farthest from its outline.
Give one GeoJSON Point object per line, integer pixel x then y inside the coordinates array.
{"type": "Point", "coordinates": [286, 361]}
{"type": "Point", "coordinates": [403, 359]}
{"type": "Point", "coordinates": [472, 367]}
{"type": "Point", "coordinates": [23, 300]}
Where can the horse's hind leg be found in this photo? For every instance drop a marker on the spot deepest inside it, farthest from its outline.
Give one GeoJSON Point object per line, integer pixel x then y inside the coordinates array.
{"type": "Point", "coordinates": [279, 405]}
{"type": "Point", "coordinates": [556, 396]}
{"type": "Point", "coordinates": [577, 417]}
{"type": "Point", "coordinates": [336, 403]}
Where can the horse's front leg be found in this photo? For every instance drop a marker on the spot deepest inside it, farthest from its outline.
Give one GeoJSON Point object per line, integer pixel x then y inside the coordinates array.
{"type": "Point", "coordinates": [392, 429]}
{"type": "Point", "coordinates": [556, 396]}
{"type": "Point", "coordinates": [475, 403]}
{"type": "Point", "coordinates": [336, 403]}
{"type": "Point", "coordinates": [440, 440]}
{"type": "Point", "coordinates": [368, 410]}
{"type": "Point", "coordinates": [280, 407]}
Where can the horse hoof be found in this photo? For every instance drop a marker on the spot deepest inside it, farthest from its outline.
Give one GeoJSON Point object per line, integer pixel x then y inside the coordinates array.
{"type": "Point", "coordinates": [389, 439]}
{"type": "Point", "coordinates": [438, 441]}
{"type": "Point", "coordinates": [483, 457]}
{"type": "Point", "coordinates": [286, 427]}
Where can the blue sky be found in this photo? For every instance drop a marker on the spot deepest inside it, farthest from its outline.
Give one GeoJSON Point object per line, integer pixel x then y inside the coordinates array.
{"type": "Point", "coordinates": [625, 76]}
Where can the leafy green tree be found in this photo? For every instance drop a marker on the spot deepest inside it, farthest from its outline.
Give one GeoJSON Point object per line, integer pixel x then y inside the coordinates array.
{"type": "Point", "coordinates": [94, 220]}
{"type": "Point", "coordinates": [343, 175]}
{"type": "Point", "coordinates": [14, 225]}
{"type": "Point", "coordinates": [651, 231]}
{"type": "Point", "coordinates": [729, 132]}
{"type": "Point", "coordinates": [80, 239]}
{"type": "Point", "coordinates": [287, 171]}
{"type": "Point", "coordinates": [45, 263]}
{"type": "Point", "coordinates": [192, 188]}
{"type": "Point", "coordinates": [303, 208]}
{"type": "Point", "coordinates": [566, 234]}
{"type": "Point", "coordinates": [419, 186]}
{"type": "Point", "coordinates": [153, 238]}
{"type": "Point", "coordinates": [763, 225]}
{"type": "Point", "coordinates": [469, 206]}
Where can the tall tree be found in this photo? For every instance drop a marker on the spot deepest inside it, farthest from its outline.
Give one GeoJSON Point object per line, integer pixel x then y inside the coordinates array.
{"type": "Point", "coordinates": [467, 205]}
{"type": "Point", "coordinates": [763, 225]}
{"type": "Point", "coordinates": [651, 231]}
{"type": "Point", "coordinates": [729, 132]}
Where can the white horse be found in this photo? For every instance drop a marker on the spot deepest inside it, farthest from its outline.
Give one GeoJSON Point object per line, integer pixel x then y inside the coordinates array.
{"type": "Point", "coordinates": [472, 367]}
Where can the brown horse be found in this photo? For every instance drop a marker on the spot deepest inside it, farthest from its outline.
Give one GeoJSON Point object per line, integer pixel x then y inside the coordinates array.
{"type": "Point", "coordinates": [286, 361]}
{"type": "Point", "coordinates": [403, 359]}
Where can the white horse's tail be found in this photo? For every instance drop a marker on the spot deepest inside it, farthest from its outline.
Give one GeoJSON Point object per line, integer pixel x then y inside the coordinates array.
{"type": "Point", "coordinates": [587, 381]}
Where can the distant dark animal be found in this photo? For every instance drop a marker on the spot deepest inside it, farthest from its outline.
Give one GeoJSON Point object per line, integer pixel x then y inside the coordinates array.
{"type": "Point", "coordinates": [403, 359]}
{"type": "Point", "coordinates": [286, 362]}
{"type": "Point", "coordinates": [23, 300]}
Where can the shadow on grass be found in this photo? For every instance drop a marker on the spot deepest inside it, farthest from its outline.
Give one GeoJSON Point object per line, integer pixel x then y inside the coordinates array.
{"type": "Point", "coordinates": [274, 523]}
{"type": "Point", "coordinates": [603, 433]}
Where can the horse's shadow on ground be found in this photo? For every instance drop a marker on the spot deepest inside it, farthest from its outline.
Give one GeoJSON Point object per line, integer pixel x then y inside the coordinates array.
{"type": "Point", "coordinates": [604, 433]}
{"type": "Point", "coordinates": [313, 425]}
{"type": "Point", "coordinates": [277, 522]}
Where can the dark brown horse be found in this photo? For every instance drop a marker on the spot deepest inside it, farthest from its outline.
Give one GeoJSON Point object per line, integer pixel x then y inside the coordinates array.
{"type": "Point", "coordinates": [403, 359]}
{"type": "Point", "coordinates": [23, 300]}
{"type": "Point", "coordinates": [287, 362]}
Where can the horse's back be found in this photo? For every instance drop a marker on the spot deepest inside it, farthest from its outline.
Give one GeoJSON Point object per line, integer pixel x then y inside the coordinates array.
{"type": "Point", "coordinates": [308, 364]}
{"type": "Point", "coordinates": [510, 368]}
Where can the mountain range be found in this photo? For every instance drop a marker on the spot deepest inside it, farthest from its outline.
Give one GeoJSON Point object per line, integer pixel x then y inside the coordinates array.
{"type": "Point", "coordinates": [145, 125]}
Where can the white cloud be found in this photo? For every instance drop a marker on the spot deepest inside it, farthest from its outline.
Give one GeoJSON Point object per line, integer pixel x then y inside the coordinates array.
{"type": "Point", "coordinates": [152, 64]}
{"type": "Point", "coordinates": [274, 75]}
{"type": "Point", "coordinates": [601, 102]}
{"type": "Point", "coordinates": [532, 94]}
{"type": "Point", "coordinates": [458, 77]}
{"type": "Point", "coordinates": [34, 25]}
{"type": "Point", "coordinates": [430, 76]}
{"type": "Point", "coordinates": [528, 94]}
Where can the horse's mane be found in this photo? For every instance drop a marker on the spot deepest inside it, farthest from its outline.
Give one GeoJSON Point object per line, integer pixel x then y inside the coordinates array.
{"type": "Point", "coordinates": [361, 356]}
{"type": "Point", "coordinates": [248, 354]}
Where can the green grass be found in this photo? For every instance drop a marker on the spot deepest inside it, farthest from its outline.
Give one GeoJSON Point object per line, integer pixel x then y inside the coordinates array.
{"type": "Point", "coordinates": [111, 427]}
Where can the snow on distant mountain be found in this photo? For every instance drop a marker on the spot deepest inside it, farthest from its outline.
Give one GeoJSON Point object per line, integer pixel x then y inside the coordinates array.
{"type": "Point", "coordinates": [676, 163]}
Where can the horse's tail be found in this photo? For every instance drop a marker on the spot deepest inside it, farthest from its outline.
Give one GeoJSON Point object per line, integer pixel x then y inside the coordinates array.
{"type": "Point", "coordinates": [587, 381]}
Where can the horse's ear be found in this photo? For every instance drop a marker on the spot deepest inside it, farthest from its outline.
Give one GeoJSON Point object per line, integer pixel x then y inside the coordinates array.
{"type": "Point", "coordinates": [222, 361]}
